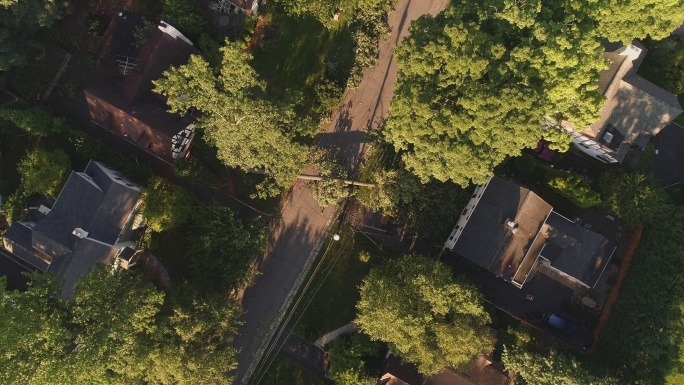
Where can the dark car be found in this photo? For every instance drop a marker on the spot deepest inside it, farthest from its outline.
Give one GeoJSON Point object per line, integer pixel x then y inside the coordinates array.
{"type": "Point", "coordinates": [559, 323]}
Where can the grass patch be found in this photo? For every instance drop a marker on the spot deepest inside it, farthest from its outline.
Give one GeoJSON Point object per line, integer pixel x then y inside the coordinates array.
{"type": "Point", "coordinates": [676, 193]}
{"type": "Point", "coordinates": [303, 54]}
{"type": "Point", "coordinates": [285, 371]}
{"type": "Point", "coordinates": [334, 304]}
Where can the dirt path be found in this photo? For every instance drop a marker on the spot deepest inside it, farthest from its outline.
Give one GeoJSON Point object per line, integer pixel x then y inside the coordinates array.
{"type": "Point", "coordinates": [294, 243]}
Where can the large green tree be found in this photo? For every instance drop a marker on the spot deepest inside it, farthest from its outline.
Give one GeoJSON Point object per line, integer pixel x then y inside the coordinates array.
{"type": "Point", "coordinates": [248, 129]}
{"type": "Point", "coordinates": [44, 172]}
{"type": "Point", "coordinates": [475, 85]}
{"type": "Point", "coordinates": [34, 332]}
{"type": "Point", "coordinates": [550, 368]}
{"type": "Point", "coordinates": [426, 316]}
{"type": "Point", "coordinates": [222, 250]}
{"type": "Point", "coordinates": [116, 328]}
{"type": "Point", "coordinates": [477, 82]}
{"type": "Point", "coordinates": [19, 21]}
{"type": "Point", "coordinates": [634, 197]}
{"type": "Point", "coordinates": [624, 20]}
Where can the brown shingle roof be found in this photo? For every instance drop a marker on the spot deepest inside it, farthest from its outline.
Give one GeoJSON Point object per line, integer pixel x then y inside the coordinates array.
{"type": "Point", "coordinates": [492, 376]}
{"type": "Point", "coordinates": [488, 241]}
{"type": "Point", "coordinates": [633, 104]}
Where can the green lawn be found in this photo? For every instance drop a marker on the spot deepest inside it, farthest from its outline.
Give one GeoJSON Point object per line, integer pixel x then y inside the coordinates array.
{"type": "Point", "coordinates": [334, 304]}
{"type": "Point", "coordinates": [303, 53]}
{"type": "Point", "coordinates": [284, 371]}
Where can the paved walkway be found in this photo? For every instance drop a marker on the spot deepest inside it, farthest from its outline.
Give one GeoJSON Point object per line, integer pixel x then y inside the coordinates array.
{"type": "Point", "coordinates": [298, 235]}
{"type": "Point", "coordinates": [329, 337]}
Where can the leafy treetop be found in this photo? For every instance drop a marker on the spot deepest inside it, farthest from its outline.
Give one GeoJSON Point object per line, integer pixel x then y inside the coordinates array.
{"type": "Point", "coordinates": [424, 314]}
{"type": "Point", "coordinates": [249, 130]}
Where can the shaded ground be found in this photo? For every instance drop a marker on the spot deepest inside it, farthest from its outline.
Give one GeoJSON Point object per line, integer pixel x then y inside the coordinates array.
{"type": "Point", "coordinates": [15, 270]}
{"type": "Point", "coordinates": [668, 165]}
{"type": "Point", "coordinates": [549, 295]}
{"type": "Point", "coordinates": [286, 371]}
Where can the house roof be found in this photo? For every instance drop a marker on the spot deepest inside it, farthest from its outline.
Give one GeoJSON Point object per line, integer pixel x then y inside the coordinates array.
{"type": "Point", "coordinates": [488, 241]}
{"type": "Point", "coordinates": [152, 114]}
{"type": "Point", "coordinates": [633, 104]}
{"type": "Point", "coordinates": [118, 41]}
{"type": "Point", "coordinates": [97, 200]}
{"type": "Point", "coordinates": [575, 250]}
{"type": "Point", "coordinates": [165, 47]}
{"type": "Point", "coordinates": [92, 200]}
{"type": "Point", "coordinates": [607, 76]}
{"type": "Point", "coordinates": [390, 379]}
{"type": "Point", "coordinates": [492, 375]}
{"type": "Point", "coordinates": [130, 108]}
{"type": "Point", "coordinates": [87, 254]}
{"type": "Point", "coordinates": [19, 236]}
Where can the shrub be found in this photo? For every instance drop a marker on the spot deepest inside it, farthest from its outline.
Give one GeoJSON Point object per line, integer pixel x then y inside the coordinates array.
{"type": "Point", "coordinates": [573, 188]}
{"type": "Point", "coordinates": [525, 163]}
{"type": "Point", "coordinates": [166, 206]}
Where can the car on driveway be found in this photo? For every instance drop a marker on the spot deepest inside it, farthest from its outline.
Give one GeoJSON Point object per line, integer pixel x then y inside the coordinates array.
{"type": "Point", "coordinates": [559, 323]}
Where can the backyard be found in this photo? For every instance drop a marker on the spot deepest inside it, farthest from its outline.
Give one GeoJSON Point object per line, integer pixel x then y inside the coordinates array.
{"type": "Point", "coordinates": [331, 300]}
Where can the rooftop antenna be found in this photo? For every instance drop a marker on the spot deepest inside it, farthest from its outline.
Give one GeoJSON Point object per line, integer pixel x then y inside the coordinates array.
{"type": "Point", "coordinates": [125, 64]}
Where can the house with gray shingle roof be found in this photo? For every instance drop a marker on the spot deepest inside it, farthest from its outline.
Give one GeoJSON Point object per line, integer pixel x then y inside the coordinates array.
{"type": "Point", "coordinates": [634, 109]}
{"type": "Point", "coordinates": [92, 221]}
{"type": "Point", "coordinates": [513, 233]}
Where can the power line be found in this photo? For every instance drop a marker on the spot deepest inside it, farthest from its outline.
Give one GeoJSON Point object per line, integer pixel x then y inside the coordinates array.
{"type": "Point", "coordinates": [294, 308]}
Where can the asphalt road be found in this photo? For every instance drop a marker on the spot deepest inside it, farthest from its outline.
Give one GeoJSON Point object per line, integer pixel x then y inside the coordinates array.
{"type": "Point", "coordinates": [668, 165]}
{"type": "Point", "coordinates": [298, 235]}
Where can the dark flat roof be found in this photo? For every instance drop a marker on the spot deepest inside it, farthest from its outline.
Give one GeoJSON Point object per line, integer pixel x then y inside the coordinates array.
{"type": "Point", "coordinates": [575, 250]}
{"type": "Point", "coordinates": [488, 241]}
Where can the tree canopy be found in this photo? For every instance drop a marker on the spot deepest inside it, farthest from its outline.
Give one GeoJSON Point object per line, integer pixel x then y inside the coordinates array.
{"type": "Point", "coordinates": [44, 172]}
{"type": "Point", "coordinates": [248, 129]}
{"type": "Point", "coordinates": [426, 316]}
{"type": "Point", "coordinates": [166, 206]}
{"type": "Point", "coordinates": [19, 21]}
{"type": "Point", "coordinates": [222, 250]}
{"type": "Point", "coordinates": [550, 368]}
{"type": "Point", "coordinates": [35, 121]}
{"type": "Point", "coordinates": [477, 82]}
{"type": "Point", "coordinates": [634, 197]}
{"type": "Point", "coordinates": [419, 208]}
{"type": "Point", "coordinates": [116, 329]}
{"type": "Point", "coordinates": [572, 187]}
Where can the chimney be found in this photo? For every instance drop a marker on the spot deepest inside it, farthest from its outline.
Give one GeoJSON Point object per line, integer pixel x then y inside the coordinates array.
{"type": "Point", "coordinates": [511, 224]}
{"type": "Point", "coordinates": [80, 233]}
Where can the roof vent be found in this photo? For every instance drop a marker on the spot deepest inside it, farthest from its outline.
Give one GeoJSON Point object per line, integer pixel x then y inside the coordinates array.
{"type": "Point", "coordinates": [511, 224]}
{"type": "Point", "coordinates": [80, 233]}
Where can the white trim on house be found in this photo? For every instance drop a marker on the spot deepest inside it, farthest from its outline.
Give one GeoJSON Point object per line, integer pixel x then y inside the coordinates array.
{"type": "Point", "coordinates": [604, 267]}
{"type": "Point", "coordinates": [465, 215]}
{"type": "Point", "coordinates": [513, 281]}
{"type": "Point", "coordinates": [180, 143]}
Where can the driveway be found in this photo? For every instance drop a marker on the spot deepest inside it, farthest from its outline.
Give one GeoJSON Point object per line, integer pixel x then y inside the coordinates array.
{"type": "Point", "coordinates": [298, 235]}
{"type": "Point", "coordinates": [668, 165]}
